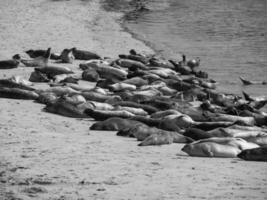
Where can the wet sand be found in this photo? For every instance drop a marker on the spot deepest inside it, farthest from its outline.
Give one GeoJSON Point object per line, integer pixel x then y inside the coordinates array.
{"type": "Point", "coordinates": [46, 156]}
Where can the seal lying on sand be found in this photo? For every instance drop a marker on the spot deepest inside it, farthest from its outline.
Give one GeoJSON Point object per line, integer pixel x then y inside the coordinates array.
{"type": "Point", "coordinates": [196, 134]}
{"type": "Point", "coordinates": [37, 53]}
{"type": "Point", "coordinates": [10, 64]}
{"type": "Point", "coordinates": [103, 115]}
{"type": "Point", "coordinates": [131, 64]}
{"type": "Point", "coordinates": [16, 93]}
{"type": "Point", "coordinates": [65, 109]}
{"type": "Point", "coordinates": [84, 55]}
{"type": "Point", "coordinates": [67, 56]}
{"type": "Point", "coordinates": [11, 83]}
{"type": "Point", "coordinates": [165, 137]}
{"type": "Point", "coordinates": [52, 71]}
{"type": "Point", "coordinates": [39, 61]}
{"type": "Point", "coordinates": [115, 124]}
{"type": "Point", "coordinates": [217, 147]}
{"type": "Point", "coordinates": [256, 154]}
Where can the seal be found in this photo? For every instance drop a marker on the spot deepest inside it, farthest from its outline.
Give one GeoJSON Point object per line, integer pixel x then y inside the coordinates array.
{"type": "Point", "coordinates": [60, 78]}
{"type": "Point", "coordinates": [101, 106]}
{"type": "Point", "coordinates": [17, 93]}
{"type": "Point", "coordinates": [229, 132]}
{"type": "Point", "coordinates": [142, 132]}
{"type": "Point", "coordinates": [67, 56]}
{"type": "Point", "coordinates": [100, 115]}
{"type": "Point", "coordinates": [157, 139]}
{"type": "Point", "coordinates": [256, 154]}
{"type": "Point", "coordinates": [236, 142]}
{"type": "Point", "coordinates": [40, 61]}
{"type": "Point", "coordinates": [10, 64]}
{"type": "Point", "coordinates": [59, 91]}
{"type": "Point", "coordinates": [122, 86]}
{"type": "Point", "coordinates": [52, 71]}
{"type": "Point", "coordinates": [75, 99]}
{"type": "Point", "coordinates": [84, 55]}
{"type": "Point", "coordinates": [47, 98]}
{"type": "Point", "coordinates": [115, 124]}
{"type": "Point", "coordinates": [256, 102]}
{"type": "Point", "coordinates": [160, 62]}
{"type": "Point", "coordinates": [38, 77]}
{"type": "Point", "coordinates": [162, 114]}
{"type": "Point", "coordinates": [136, 111]}
{"type": "Point", "coordinates": [10, 83]}
{"type": "Point", "coordinates": [137, 81]}
{"type": "Point", "coordinates": [131, 64]}
{"type": "Point", "coordinates": [211, 149]}
{"type": "Point", "coordinates": [105, 71]}
{"type": "Point", "coordinates": [181, 67]}
{"type": "Point", "coordinates": [135, 57]}
{"type": "Point", "coordinates": [217, 117]}
{"type": "Point", "coordinates": [162, 72]}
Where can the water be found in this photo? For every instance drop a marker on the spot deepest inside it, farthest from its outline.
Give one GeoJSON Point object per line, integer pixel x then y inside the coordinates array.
{"type": "Point", "coordinates": [230, 37]}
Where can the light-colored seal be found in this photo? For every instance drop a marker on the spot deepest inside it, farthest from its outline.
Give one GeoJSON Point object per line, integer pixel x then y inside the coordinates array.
{"type": "Point", "coordinates": [217, 147]}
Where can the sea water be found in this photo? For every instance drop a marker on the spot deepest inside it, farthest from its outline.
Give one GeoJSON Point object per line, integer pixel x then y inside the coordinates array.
{"type": "Point", "coordinates": [229, 36]}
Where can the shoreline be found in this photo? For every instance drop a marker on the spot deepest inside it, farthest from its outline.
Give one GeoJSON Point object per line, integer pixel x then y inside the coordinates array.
{"type": "Point", "coordinates": [128, 10]}
{"type": "Point", "coordinates": [48, 156]}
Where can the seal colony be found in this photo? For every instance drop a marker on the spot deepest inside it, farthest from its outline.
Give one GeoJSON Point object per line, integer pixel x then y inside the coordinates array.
{"type": "Point", "coordinates": [155, 100]}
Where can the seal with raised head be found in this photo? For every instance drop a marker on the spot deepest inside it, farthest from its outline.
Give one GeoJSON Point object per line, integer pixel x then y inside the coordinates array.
{"type": "Point", "coordinates": [39, 61]}
{"type": "Point", "coordinates": [67, 56]}
{"type": "Point", "coordinates": [17, 93]}
{"type": "Point", "coordinates": [39, 52]}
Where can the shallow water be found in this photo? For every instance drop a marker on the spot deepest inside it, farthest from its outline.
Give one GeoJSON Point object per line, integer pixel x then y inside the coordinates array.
{"type": "Point", "coordinates": [230, 37]}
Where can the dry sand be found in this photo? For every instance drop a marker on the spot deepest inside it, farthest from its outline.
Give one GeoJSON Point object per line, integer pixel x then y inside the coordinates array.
{"type": "Point", "coordinates": [46, 156]}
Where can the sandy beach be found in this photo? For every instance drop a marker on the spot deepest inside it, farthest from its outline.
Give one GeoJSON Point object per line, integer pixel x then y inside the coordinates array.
{"type": "Point", "coordinates": [47, 156]}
